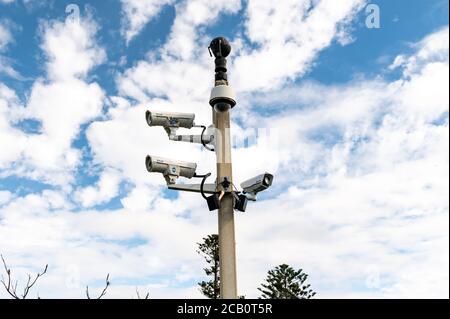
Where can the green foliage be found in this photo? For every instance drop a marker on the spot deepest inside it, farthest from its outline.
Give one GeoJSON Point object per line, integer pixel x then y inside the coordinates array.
{"type": "Point", "coordinates": [209, 249]}
{"type": "Point", "coordinates": [284, 282]}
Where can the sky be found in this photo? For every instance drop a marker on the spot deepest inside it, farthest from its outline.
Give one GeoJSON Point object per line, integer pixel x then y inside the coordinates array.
{"type": "Point", "coordinates": [350, 115]}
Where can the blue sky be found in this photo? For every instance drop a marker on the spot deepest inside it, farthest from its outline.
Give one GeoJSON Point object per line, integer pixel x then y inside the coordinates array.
{"type": "Point", "coordinates": [357, 118]}
{"type": "Point", "coordinates": [403, 23]}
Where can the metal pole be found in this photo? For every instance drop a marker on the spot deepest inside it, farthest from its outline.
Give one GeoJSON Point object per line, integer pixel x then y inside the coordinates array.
{"type": "Point", "coordinates": [227, 243]}
{"type": "Point", "coordinates": [222, 100]}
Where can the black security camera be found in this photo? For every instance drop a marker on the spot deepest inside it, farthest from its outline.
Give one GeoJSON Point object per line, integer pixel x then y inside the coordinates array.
{"type": "Point", "coordinates": [220, 47]}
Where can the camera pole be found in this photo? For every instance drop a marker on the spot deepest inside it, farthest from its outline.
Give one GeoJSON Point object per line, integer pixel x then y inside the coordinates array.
{"type": "Point", "coordinates": [223, 194]}
{"type": "Point", "coordinates": [227, 244]}
{"type": "Point", "coordinates": [221, 104]}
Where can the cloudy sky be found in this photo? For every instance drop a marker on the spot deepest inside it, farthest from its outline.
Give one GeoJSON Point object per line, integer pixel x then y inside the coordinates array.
{"type": "Point", "coordinates": [352, 121]}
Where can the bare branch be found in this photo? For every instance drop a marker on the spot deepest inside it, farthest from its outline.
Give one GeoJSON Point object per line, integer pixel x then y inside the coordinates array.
{"type": "Point", "coordinates": [12, 290]}
{"type": "Point", "coordinates": [103, 292]}
{"type": "Point", "coordinates": [147, 296]}
{"type": "Point", "coordinates": [7, 286]}
{"type": "Point", "coordinates": [30, 283]}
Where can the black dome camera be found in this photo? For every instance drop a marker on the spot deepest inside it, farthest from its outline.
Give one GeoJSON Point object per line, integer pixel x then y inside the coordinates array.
{"type": "Point", "coordinates": [220, 47]}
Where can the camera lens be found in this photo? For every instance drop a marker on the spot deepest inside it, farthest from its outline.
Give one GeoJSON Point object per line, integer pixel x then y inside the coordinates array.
{"type": "Point", "coordinates": [148, 163]}
{"type": "Point", "coordinates": [222, 106]}
{"type": "Point", "coordinates": [148, 117]}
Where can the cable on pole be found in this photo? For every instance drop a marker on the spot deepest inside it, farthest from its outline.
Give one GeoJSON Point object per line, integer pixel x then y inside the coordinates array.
{"type": "Point", "coordinates": [202, 184]}
{"type": "Point", "coordinates": [203, 141]}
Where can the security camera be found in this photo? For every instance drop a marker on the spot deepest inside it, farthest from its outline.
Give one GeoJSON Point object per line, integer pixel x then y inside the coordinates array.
{"type": "Point", "coordinates": [222, 98]}
{"type": "Point", "coordinates": [170, 120]}
{"type": "Point", "coordinates": [220, 47]}
{"type": "Point", "coordinates": [171, 169]}
{"type": "Point", "coordinates": [256, 184]}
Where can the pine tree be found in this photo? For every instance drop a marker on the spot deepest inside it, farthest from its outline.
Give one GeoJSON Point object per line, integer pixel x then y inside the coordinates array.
{"type": "Point", "coordinates": [284, 282]}
{"type": "Point", "coordinates": [209, 248]}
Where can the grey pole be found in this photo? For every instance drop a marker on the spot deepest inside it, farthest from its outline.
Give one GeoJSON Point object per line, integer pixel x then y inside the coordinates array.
{"type": "Point", "coordinates": [221, 118]}
{"type": "Point", "coordinates": [227, 244]}
{"type": "Point", "coordinates": [222, 100]}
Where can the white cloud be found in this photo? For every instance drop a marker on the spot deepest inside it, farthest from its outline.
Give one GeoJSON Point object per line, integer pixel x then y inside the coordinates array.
{"type": "Point", "coordinates": [137, 13]}
{"type": "Point", "coordinates": [61, 107]}
{"type": "Point", "coordinates": [61, 103]}
{"type": "Point", "coordinates": [8, 70]}
{"type": "Point", "coordinates": [12, 139]}
{"type": "Point", "coordinates": [5, 196]}
{"type": "Point", "coordinates": [297, 32]}
{"type": "Point", "coordinates": [71, 49]}
{"type": "Point", "coordinates": [5, 36]}
{"type": "Point", "coordinates": [382, 200]}
{"type": "Point", "coordinates": [190, 16]}
{"type": "Point", "coordinates": [93, 238]}
{"type": "Point", "coordinates": [181, 54]}
{"type": "Point", "coordinates": [433, 48]}
{"type": "Point", "coordinates": [106, 189]}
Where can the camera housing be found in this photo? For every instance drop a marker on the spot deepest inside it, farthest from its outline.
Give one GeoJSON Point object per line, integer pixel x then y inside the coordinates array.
{"type": "Point", "coordinates": [240, 203]}
{"type": "Point", "coordinates": [171, 169]}
{"type": "Point", "coordinates": [256, 184]}
{"type": "Point", "coordinates": [222, 98]}
{"type": "Point", "coordinates": [220, 47]}
{"type": "Point", "coordinates": [170, 119]}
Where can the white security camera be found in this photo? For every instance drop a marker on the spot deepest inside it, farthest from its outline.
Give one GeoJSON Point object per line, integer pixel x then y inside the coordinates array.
{"type": "Point", "coordinates": [171, 169]}
{"type": "Point", "coordinates": [170, 120]}
{"type": "Point", "coordinates": [222, 98]}
{"type": "Point", "coordinates": [256, 184]}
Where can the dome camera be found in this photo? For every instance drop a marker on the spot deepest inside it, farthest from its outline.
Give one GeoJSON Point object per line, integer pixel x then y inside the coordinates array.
{"type": "Point", "coordinates": [220, 47]}
{"type": "Point", "coordinates": [222, 98]}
